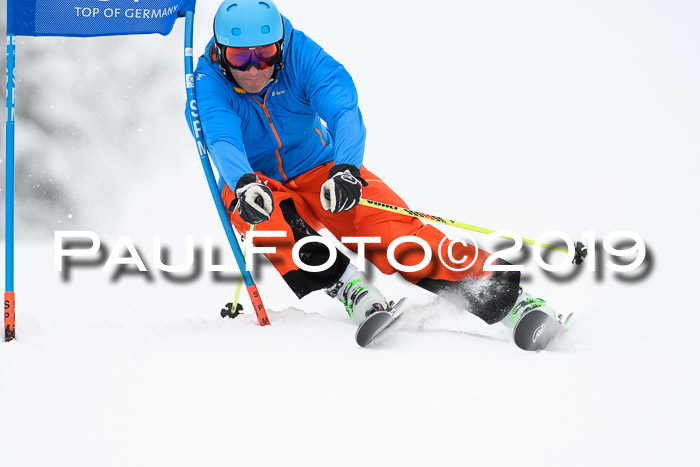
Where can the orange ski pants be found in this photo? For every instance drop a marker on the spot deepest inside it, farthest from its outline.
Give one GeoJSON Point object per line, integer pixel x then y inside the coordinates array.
{"type": "Point", "coordinates": [298, 213]}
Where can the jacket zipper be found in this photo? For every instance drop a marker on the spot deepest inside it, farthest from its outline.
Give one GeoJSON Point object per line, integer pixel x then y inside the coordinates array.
{"type": "Point", "coordinates": [274, 131]}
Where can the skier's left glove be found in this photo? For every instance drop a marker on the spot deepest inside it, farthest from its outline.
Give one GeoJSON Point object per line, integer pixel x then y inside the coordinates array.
{"type": "Point", "coordinates": [343, 189]}
{"type": "Point", "coordinates": [254, 199]}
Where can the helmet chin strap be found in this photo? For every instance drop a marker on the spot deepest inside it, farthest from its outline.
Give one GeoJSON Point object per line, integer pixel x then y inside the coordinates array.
{"type": "Point", "coordinates": [278, 67]}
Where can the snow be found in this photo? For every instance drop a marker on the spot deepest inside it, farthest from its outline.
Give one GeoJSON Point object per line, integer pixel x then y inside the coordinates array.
{"type": "Point", "coordinates": [559, 115]}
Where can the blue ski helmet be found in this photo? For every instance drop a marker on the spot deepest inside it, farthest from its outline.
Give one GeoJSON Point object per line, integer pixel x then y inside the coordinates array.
{"type": "Point", "coordinates": [248, 23]}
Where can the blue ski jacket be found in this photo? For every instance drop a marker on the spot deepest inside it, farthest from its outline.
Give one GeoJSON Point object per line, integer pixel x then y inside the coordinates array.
{"type": "Point", "coordinates": [281, 132]}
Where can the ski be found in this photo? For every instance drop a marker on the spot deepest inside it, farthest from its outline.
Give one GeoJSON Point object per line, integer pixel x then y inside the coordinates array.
{"type": "Point", "coordinates": [378, 322]}
{"type": "Point", "coordinates": [537, 328]}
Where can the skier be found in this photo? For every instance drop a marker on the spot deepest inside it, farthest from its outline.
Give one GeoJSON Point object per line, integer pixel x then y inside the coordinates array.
{"type": "Point", "coordinates": [281, 121]}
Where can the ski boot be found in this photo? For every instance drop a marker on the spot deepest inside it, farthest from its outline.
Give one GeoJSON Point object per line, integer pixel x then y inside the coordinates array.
{"type": "Point", "coordinates": [359, 296]}
{"type": "Point", "coordinates": [364, 301]}
{"type": "Point", "coordinates": [535, 324]}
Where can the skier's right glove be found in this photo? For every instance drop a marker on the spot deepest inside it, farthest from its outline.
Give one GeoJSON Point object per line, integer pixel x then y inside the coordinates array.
{"type": "Point", "coordinates": [254, 199]}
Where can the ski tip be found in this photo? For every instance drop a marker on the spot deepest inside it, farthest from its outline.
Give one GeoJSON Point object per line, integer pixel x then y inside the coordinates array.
{"type": "Point", "coordinates": [369, 328]}
{"type": "Point", "coordinates": [535, 330]}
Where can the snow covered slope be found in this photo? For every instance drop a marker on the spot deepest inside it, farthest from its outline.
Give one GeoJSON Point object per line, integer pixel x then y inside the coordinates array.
{"type": "Point", "coordinates": [529, 116]}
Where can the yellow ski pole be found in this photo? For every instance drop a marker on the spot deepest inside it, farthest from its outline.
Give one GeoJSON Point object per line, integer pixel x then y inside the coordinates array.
{"type": "Point", "coordinates": [579, 253]}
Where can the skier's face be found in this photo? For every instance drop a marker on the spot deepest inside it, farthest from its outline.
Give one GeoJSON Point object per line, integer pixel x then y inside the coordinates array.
{"type": "Point", "coordinates": [253, 80]}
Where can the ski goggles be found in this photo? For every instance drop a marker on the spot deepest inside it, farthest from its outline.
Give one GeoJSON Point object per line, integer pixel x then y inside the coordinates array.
{"type": "Point", "coordinates": [242, 58]}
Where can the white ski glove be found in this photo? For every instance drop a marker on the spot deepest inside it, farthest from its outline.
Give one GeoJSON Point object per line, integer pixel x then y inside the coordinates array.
{"type": "Point", "coordinates": [254, 199]}
{"type": "Point", "coordinates": [343, 189]}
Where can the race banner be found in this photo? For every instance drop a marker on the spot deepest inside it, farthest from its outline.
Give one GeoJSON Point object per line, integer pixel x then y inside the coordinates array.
{"type": "Point", "coordinates": [88, 18]}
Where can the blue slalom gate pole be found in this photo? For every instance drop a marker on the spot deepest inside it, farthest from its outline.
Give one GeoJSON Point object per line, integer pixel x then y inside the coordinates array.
{"type": "Point", "coordinates": [209, 173]}
{"type": "Point", "coordinates": [10, 192]}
